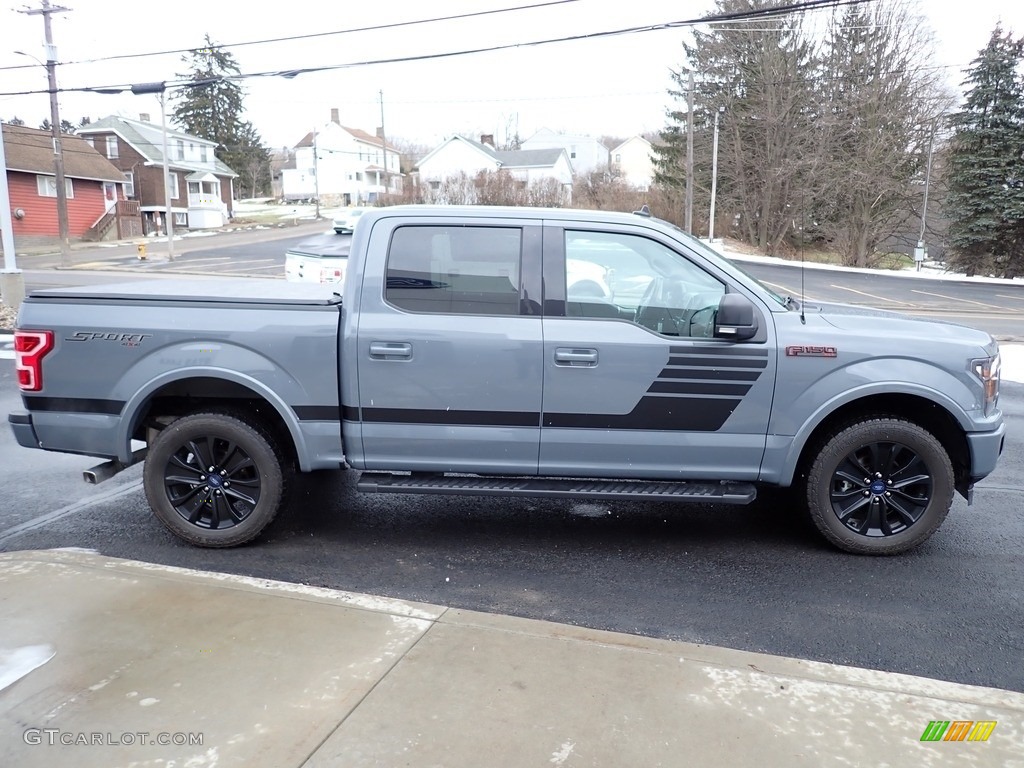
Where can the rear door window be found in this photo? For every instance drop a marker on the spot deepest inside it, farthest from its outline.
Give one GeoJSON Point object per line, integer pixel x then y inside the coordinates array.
{"type": "Point", "coordinates": [455, 270]}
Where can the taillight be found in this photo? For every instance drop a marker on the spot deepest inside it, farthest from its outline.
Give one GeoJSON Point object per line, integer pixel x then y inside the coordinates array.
{"type": "Point", "coordinates": [30, 347]}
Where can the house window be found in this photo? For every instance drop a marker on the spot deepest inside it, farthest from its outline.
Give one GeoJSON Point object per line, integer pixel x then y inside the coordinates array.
{"type": "Point", "coordinates": [90, 141]}
{"type": "Point", "coordinates": [173, 185]}
{"type": "Point", "coordinates": [572, 152]}
{"type": "Point", "coordinates": [46, 186]}
{"type": "Point", "coordinates": [359, 176]}
{"type": "Point", "coordinates": [129, 184]}
{"type": "Point", "coordinates": [618, 158]}
{"type": "Point", "coordinates": [112, 147]}
{"type": "Point", "coordinates": [455, 270]}
{"type": "Point", "coordinates": [203, 155]}
{"type": "Point", "coordinates": [180, 219]}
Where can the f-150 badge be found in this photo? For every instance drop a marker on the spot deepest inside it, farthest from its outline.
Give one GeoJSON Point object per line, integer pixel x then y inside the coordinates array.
{"type": "Point", "coordinates": [802, 350]}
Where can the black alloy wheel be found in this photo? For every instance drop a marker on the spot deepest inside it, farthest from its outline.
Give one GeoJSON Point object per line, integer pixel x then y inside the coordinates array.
{"type": "Point", "coordinates": [879, 486]}
{"type": "Point", "coordinates": [215, 480]}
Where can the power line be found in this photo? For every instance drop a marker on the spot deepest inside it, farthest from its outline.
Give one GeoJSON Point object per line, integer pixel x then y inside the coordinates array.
{"type": "Point", "coordinates": [290, 73]}
{"type": "Point", "coordinates": [293, 38]}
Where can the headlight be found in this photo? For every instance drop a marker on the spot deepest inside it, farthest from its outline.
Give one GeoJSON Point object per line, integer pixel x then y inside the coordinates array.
{"type": "Point", "coordinates": [987, 370]}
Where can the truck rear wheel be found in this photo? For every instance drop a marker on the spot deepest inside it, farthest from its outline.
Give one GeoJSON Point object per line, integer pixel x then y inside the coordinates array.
{"type": "Point", "coordinates": [214, 480]}
{"type": "Point", "coordinates": [879, 486]}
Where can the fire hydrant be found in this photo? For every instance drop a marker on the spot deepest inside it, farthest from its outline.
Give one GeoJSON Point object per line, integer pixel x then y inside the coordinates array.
{"type": "Point", "coordinates": [141, 247]}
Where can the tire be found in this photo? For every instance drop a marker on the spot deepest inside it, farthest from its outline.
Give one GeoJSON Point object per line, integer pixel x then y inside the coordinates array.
{"type": "Point", "coordinates": [230, 505]}
{"type": "Point", "coordinates": [879, 486]}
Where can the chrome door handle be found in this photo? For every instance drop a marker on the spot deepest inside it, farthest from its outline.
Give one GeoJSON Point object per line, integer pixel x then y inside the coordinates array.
{"type": "Point", "coordinates": [390, 350]}
{"type": "Point", "coordinates": [583, 358]}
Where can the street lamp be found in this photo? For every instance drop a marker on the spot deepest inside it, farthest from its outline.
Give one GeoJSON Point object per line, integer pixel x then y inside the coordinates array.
{"type": "Point", "coordinates": [58, 151]}
{"type": "Point", "coordinates": [714, 178]}
{"type": "Point", "coordinates": [161, 89]}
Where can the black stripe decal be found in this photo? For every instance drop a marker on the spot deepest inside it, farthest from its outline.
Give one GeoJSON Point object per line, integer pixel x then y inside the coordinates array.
{"type": "Point", "coordinates": [676, 414]}
{"type": "Point", "coordinates": [709, 373]}
{"type": "Point", "coordinates": [73, 405]}
{"type": "Point", "coordinates": [452, 417]}
{"type": "Point", "coordinates": [699, 388]}
{"type": "Point", "coordinates": [720, 351]}
{"type": "Point", "coordinates": [350, 412]}
{"type": "Point", "coordinates": [721, 361]}
{"type": "Point", "coordinates": [317, 412]}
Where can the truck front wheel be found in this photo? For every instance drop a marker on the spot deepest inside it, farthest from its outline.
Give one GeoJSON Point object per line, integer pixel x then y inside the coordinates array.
{"type": "Point", "coordinates": [214, 480]}
{"type": "Point", "coordinates": [879, 486]}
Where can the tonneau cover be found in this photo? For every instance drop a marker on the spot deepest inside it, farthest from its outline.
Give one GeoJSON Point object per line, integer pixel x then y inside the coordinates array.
{"type": "Point", "coordinates": [207, 289]}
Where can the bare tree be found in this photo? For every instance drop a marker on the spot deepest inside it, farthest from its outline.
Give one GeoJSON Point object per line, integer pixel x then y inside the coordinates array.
{"type": "Point", "coordinates": [876, 117]}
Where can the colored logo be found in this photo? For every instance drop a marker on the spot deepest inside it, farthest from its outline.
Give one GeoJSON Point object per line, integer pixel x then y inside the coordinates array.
{"type": "Point", "coordinates": [958, 730]}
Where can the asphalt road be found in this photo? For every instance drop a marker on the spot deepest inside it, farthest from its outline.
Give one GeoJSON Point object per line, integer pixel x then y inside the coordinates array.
{"type": "Point", "coordinates": [752, 578]}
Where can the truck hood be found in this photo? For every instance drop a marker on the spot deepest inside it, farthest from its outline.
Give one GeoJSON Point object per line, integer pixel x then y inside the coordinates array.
{"type": "Point", "coordinates": [848, 317]}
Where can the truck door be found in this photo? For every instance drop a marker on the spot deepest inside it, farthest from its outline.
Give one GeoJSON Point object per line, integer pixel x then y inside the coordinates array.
{"type": "Point", "coordinates": [635, 385]}
{"type": "Point", "coordinates": [449, 346]}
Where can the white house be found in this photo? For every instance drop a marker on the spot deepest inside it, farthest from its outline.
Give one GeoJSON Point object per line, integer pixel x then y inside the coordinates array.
{"type": "Point", "coordinates": [586, 154]}
{"type": "Point", "coordinates": [346, 166]}
{"type": "Point", "coordinates": [632, 162]}
{"type": "Point", "coordinates": [461, 155]}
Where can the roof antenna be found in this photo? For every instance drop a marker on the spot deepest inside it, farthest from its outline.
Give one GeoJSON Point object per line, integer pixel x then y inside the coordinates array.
{"type": "Point", "coordinates": [644, 211]}
{"type": "Point", "coordinates": [803, 319]}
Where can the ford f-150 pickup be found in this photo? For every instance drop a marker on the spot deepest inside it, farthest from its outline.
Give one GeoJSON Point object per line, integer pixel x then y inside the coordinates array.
{"type": "Point", "coordinates": [532, 352]}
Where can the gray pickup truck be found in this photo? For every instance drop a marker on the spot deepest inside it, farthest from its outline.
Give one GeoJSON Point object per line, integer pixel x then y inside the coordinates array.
{"type": "Point", "coordinates": [522, 352]}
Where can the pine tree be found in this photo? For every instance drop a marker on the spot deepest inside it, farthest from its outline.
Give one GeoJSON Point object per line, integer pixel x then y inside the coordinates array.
{"type": "Point", "coordinates": [210, 107]}
{"type": "Point", "coordinates": [760, 76]}
{"type": "Point", "coordinates": [985, 173]}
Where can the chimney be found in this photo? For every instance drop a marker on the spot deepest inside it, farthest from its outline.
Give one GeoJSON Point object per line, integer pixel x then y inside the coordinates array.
{"type": "Point", "coordinates": [488, 139]}
{"type": "Point", "coordinates": [380, 131]}
{"type": "Point", "coordinates": [144, 117]}
{"type": "Point", "coordinates": [334, 116]}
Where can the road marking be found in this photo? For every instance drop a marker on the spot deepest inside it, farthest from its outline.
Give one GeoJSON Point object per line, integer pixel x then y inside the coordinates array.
{"type": "Point", "coordinates": [785, 290]}
{"type": "Point", "coordinates": [245, 270]}
{"type": "Point", "coordinates": [873, 296]}
{"type": "Point", "coordinates": [70, 509]}
{"type": "Point", "coordinates": [1007, 296]}
{"type": "Point", "coordinates": [954, 298]}
{"type": "Point", "coordinates": [6, 346]}
{"type": "Point", "coordinates": [185, 260]}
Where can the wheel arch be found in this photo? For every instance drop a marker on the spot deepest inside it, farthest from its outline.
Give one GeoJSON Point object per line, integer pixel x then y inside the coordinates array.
{"type": "Point", "coordinates": [179, 393]}
{"type": "Point", "coordinates": [914, 408]}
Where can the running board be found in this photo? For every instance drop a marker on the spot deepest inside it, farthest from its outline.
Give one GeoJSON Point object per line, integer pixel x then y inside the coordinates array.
{"type": "Point", "coordinates": [641, 490]}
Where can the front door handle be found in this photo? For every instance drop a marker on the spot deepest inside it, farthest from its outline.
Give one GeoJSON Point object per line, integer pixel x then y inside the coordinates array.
{"type": "Point", "coordinates": [390, 350]}
{"type": "Point", "coordinates": [578, 358]}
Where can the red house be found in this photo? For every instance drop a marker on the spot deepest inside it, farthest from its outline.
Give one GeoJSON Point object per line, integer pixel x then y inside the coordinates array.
{"type": "Point", "coordinates": [97, 208]}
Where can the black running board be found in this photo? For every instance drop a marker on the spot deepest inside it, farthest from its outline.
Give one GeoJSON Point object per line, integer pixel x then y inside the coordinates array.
{"type": "Point", "coordinates": [637, 490]}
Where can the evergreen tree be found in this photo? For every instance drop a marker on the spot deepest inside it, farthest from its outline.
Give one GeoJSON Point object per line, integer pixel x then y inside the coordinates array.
{"type": "Point", "coordinates": [210, 107]}
{"type": "Point", "coordinates": [759, 74]}
{"type": "Point", "coordinates": [985, 172]}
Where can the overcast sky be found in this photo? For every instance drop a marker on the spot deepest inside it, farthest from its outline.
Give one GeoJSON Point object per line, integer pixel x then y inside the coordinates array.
{"type": "Point", "coordinates": [613, 86]}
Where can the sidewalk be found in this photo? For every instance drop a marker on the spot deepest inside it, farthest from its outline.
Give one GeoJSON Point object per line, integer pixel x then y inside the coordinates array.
{"type": "Point", "coordinates": [103, 659]}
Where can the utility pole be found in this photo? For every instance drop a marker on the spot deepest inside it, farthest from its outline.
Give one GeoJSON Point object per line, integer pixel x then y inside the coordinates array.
{"type": "Point", "coordinates": [316, 178]}
{"type": "Point", "coordinates": [384, 142]}
{"type": "Point", "coordinates": [12, 281]}
{"type": "Point", "coordinates": [58, 152]}
{"type": "Point", "coordinates": [922, 250]}
{"type": "Point", "coordinates": [689, 155]}
{"type": "Point", "coordinates": [714, 178]}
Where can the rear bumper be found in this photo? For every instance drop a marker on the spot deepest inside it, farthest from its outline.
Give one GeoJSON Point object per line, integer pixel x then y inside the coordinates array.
{"type": "Point", "coordinates": [24, 432]}
{"type": "Point", "coordinates": [985, 449]}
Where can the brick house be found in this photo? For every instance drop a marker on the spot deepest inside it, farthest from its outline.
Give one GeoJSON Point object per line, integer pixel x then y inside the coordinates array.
{"type": "Point", "coordinates": [202, 187]}
{"type": "Point", "coordinates": [97, 206]}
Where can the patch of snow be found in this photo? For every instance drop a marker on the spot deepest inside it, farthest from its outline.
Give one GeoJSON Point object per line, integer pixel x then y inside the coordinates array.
{"type": "Point", "coordinates": [15, 663]}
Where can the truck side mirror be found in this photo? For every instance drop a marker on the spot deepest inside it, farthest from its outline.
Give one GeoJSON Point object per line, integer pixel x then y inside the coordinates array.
{"type": "Point", "coordinates": [736, 319]}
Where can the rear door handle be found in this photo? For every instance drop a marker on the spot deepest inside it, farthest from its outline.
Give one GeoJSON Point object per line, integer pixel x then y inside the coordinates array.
{"type": "Point", "coordinates": [390, 350]}
{"type": "Point", "coordinates": [578, 358]}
